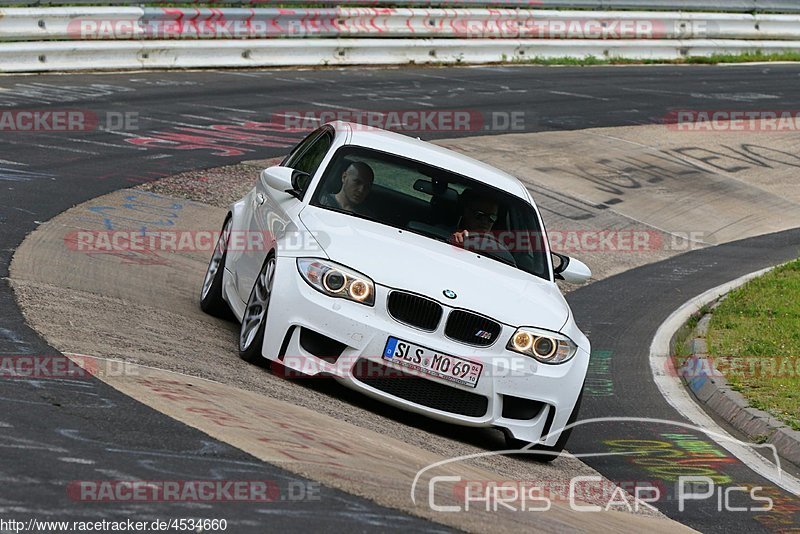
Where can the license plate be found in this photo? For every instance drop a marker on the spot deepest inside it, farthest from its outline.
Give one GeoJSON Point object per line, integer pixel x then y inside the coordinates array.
{"type": "Point", "coordinates": [424, 360]}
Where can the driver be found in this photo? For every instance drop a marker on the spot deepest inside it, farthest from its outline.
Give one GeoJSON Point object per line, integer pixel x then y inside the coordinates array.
{"type": "Point", "coordinates": [357, 181]}
{"type": "Point", "coordinates": [478, 216]}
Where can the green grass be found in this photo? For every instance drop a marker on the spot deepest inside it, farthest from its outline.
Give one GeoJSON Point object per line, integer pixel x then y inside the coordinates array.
{"type": "Point", "coordinates": [749, 57]}
{"type": "Point", "coordinates": [681, 341]}
{"type": "Point", "coordinates": [758, 326]}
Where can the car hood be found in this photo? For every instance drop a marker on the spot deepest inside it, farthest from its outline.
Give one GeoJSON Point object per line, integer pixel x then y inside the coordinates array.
{"type": "Point", "coordinates": [404, 260]}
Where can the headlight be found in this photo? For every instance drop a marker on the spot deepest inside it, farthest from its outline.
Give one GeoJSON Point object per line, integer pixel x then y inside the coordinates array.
{"type": "Point", "coordinates": [336, 280]}
{"type": "Point", "coordinates": [545, 346]}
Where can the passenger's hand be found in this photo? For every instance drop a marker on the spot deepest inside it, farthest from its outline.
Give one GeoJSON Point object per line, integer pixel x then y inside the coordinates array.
{"type": "Point", "coordinates": [458, 237]}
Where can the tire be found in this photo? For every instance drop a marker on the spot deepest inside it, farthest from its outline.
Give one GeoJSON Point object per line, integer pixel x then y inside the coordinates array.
{"type": "Point", "coordinates": [211, 300]}
{"type": "Point", "coordinates": [254, 321]}
{"type": "Point", "coordinates": [543, 453]}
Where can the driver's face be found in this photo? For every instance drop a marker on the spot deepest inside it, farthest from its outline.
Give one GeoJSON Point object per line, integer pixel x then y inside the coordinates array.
{"type": "Point", "coordinates": [355, 186]}
{"type": "Point", "coordinates": [480, 216]}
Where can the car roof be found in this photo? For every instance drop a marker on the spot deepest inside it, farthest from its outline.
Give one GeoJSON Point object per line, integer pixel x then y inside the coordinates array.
{"type": "Point", "coordinates": [416, 149]}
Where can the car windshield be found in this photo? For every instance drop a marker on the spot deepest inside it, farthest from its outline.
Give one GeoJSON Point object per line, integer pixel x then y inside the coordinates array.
{"type": "Point", "coordinates": [436, 203]}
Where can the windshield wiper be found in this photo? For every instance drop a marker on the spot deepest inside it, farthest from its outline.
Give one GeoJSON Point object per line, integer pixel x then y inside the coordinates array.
{"type": "Point", "coordinates": [501, 259]}
{"type": "Point", "coordinates": [423, 233]}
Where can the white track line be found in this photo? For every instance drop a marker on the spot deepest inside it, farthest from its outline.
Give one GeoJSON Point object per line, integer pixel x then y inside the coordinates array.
{"type": "Point", "coordinates": [579, 95]}
{"type": "Point", "coordinates": [676, 394]}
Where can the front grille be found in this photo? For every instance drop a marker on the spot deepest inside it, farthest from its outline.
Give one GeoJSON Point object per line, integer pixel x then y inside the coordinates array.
{"type": "Point", "coordinates": [419, 390]}
{"type": "Point", "coordinates": [471, 328]}
{"type": "Point", "coordinates": [414, 310]}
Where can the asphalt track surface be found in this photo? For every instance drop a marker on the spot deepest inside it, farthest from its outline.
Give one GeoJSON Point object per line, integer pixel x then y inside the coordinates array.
{"type": "Point", "coordinates": [53, 429]}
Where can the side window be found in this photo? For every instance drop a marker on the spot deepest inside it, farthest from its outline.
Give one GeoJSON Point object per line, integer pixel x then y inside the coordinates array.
{"type": "Point", "coordinates": [300, 147]}
{"type": "Point", "coordinates": [309, 154]}
{"type": "Point", "coordinates": [309, 161]}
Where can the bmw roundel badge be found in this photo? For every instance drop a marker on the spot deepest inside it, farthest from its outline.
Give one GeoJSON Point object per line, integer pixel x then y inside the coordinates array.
{"type": "Point", "coordinates": [449, 293]}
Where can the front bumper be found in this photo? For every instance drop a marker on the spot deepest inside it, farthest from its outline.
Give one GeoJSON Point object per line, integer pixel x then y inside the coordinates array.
{"type": "Point", "coordinates": [516, 393]}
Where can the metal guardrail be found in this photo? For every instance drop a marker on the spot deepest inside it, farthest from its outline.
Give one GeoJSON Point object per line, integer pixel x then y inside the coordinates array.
{"type": "Point", "coordinates": [60, 56]}
{"type": "Point", "coordinates": [731, 6]}
{"type": "Point", "coordinates": [134, 37]}
{"type": "Point", "coordinates": [130, 23]}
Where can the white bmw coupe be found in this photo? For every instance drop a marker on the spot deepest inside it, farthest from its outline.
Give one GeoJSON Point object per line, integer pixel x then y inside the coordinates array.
{"type": "Point", "coordinates": [415, 275]}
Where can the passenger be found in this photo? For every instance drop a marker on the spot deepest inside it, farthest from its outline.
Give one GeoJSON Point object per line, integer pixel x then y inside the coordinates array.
{"type": "Point", "coordinates": [478, 215]}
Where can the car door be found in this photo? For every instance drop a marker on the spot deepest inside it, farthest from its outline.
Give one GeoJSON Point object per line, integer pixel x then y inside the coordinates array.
{"type": "Point", "coordinates": [273, 212]}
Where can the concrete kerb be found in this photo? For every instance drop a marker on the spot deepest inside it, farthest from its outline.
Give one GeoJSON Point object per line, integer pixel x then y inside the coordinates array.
{"type": "Point", "coordinates": [712, 390]}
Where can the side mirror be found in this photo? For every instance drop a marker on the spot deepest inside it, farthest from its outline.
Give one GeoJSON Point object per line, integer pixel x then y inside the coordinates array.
{"type": "Point", "coordinates": [300, 180]}
{"type": "Point", "coordinates": [570, 270]}
{"type": "Point", "coordinates": [279, 178]}
{"type": "Point", "coordinates": [285, 179]}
